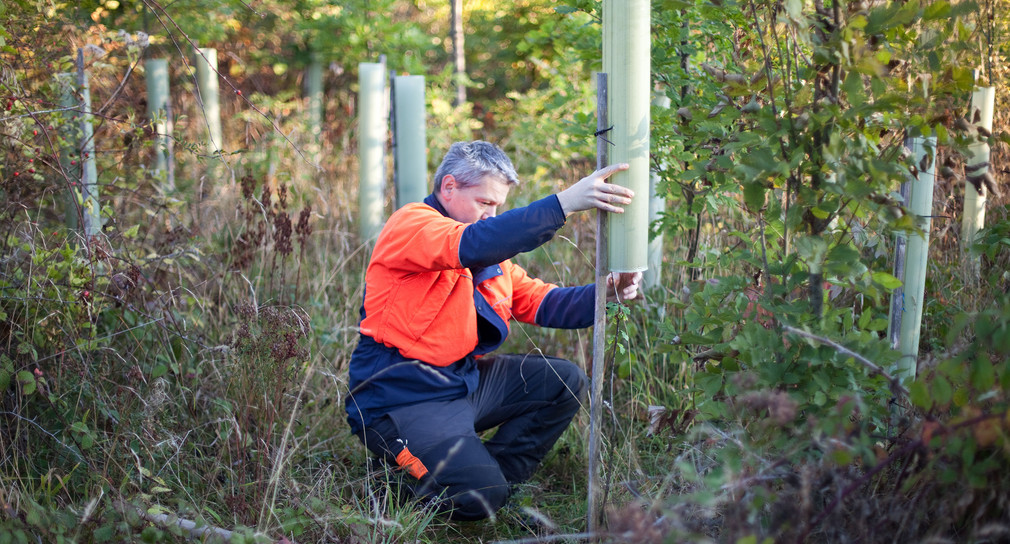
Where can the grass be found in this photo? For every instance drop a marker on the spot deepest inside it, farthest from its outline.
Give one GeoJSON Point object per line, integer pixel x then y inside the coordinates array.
{"type": "Point", "coordinates": [203, 377]}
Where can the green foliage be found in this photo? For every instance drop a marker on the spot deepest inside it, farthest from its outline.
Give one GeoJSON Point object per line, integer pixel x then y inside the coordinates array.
{"type": "Point", "coordinates": [190, 360]}
{"type": "Point", "coordinates": [784, 144]}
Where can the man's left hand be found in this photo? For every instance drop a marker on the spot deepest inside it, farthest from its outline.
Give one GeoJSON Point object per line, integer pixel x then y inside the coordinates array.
{"type": "Point", "coordinates": [627, 286]}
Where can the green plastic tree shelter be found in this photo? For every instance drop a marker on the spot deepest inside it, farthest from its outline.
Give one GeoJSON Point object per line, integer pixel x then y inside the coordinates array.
{"type": "Point", "coordinates": [156, 78]}
{"type": "Point", "coordinates": [210, 96]}
{"type": "Point", "coordinates": [410, 149]}
{"type": "Point", "coordinates": [976, 169]}
{"type": "Point", "coordinates": [627, 63]}
{"type": "Point", "coordinates": [314, 92]}
{"type": "Point", "coordinates": [90, 210]}
{"type": "Point", "coordinates": [657, 206]}
{"type": "Point", "coordinates": [371, 147]}
{"type": "Point", "coordinates": [66, 83]}
{"type": "Point", "coordinates": [909, 300]}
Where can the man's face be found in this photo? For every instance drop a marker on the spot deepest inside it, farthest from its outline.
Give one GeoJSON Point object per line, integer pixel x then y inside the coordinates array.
{"type": "Point", "coordinates": [475, 202]}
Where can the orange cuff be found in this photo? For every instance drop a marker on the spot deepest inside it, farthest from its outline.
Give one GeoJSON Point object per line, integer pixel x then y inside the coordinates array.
{"type": "Point", "coordinates": [413, 465]}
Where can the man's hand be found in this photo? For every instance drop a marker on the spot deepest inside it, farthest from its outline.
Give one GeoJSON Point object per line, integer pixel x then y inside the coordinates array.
{"type": "Point", "coordinates": [627, 286]}
{"type": "Point", "coordinates": [593, 191]}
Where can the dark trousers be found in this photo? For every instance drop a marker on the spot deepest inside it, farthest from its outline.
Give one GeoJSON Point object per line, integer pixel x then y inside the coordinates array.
{"type": "Point", "coordinates": [530, 398]}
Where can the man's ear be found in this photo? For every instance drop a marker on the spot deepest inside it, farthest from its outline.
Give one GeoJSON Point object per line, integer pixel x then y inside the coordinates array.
{"type": "Point", "coordinates": [448, 185]}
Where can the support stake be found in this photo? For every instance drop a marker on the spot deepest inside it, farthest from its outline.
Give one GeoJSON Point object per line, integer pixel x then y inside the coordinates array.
{"type": "Point", "coordinates": [600, 318]}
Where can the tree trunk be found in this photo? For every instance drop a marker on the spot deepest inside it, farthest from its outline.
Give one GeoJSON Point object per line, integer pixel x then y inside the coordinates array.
{"type": "Point", "coordinates": [457, 52]}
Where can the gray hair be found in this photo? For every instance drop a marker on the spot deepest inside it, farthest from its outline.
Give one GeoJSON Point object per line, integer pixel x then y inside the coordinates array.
{"type": "Point", "coordinates": [470, 162]}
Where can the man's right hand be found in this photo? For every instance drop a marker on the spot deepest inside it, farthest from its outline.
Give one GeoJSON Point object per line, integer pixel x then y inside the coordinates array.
{"type": "Point", "coordinates": [593, 191]}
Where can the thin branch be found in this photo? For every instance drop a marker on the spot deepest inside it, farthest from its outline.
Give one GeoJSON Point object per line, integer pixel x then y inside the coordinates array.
{"type": "Point", "coordinates": [551, 538]}
{"type": "Point", "coordinates": [76, 453]}
{"type": "Point", "coordinates": [873, 367]}
{"type": "Point", "coordinates": [194, 530]}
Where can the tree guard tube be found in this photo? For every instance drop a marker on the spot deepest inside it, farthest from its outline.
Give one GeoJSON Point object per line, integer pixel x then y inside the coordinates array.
{"type": "Point", "coordinates": [627, 63]}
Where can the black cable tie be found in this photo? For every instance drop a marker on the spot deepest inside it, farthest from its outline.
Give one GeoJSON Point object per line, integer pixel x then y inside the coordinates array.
{"type": "Point", "coordinates": [603, 130]}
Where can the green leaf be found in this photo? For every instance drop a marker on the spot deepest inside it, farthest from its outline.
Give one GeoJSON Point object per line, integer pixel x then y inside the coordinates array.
{"type": "Point", "coordinates": [844, 260]}
{"type": "Point", "coordinates": [812, 249]}
{"type": "Point", "coordinates": [878, 324]}
{"type": "Point", "coordinates": [158, 371]}
{"type": "Point", "coordinates": [942, 390]}
{"type": "Point", "coordinates": [104, 533]}
{"type": "Point", "coordinates": [754, 195]}
{"type": "Point", "coordinates": [983, 377]}
{"type": "Point", "coordinates": [709, 383]}
{"type": "Point", "coordinates": [919, 395]}
{"type": "Point", "coordinates": [853, 88]}
{"type": "Point", "coordinates": [794, 9]}
{"type": "Point", "coordinates": [887, 281]}
{"type": "Point", "coordinates": [936, 10]}
{"type": "Point", "coordinates": [27, 381]}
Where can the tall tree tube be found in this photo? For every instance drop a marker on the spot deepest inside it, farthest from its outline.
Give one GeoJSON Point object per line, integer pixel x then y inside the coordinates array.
{"type": "Point", "coordinates": [627, 62]}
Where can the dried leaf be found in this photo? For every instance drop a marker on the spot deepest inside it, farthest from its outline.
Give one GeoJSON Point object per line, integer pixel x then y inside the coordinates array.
{"type": "Point", "coordinates": [990, 184]}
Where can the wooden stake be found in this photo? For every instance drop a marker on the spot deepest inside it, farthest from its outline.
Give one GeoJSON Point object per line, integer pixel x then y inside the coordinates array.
{"type": "Point", "coordinates": [599, 319]}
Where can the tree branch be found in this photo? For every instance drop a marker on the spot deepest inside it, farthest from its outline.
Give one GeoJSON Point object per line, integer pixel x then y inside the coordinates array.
{"type": "Point", "coordinates": [873, 367]}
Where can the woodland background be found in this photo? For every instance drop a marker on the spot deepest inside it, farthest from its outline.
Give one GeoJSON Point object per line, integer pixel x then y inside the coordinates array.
{"type": "Point", "coordinates": [188, 363]}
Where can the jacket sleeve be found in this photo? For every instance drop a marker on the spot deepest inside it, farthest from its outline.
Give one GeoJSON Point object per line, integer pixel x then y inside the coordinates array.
{"type": "Point", "coordinates": [568, 307]}
{"type": "Point", "coordinates": [418, 238]}
{"type": "Point", "coordinates": [502, 237]}
{"type": "Point", "coordinates": [527, 292]}
{"type": "Point", "coordinates": [547, 305]}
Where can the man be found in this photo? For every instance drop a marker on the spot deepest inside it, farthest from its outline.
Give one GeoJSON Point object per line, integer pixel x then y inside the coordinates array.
{"type": "Point", "coordinates": [440, 291]}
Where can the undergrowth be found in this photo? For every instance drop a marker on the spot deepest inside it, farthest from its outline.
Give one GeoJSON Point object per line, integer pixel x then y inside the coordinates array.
{"type": "Point", "coordinates": [181, 374]}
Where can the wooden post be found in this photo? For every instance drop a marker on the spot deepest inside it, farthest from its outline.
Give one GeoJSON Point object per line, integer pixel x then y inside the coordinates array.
{"type": "Point", "coordinates": [209, 95]}
{"type": "Point", "coordinates": [657, 205]}
{"type": "Point", "coordinates": [410, 140]}
{"type": "Point", "coordinates": [920, 205]}
{"type": "Point", "coordinates": [314, 92]}
{"type": "Point", "coordinates": [595, 490]}
{"type": "Point", "coordinates": [156, 77]}
{"type": "Point", "coordinates": [91, 212]}
{"type": "Point", "coordinates": [976, 168]}
{"type": "Point", "coordinates": [371, 147]}
{"type": "Point", "coordinates": [627, 62]}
